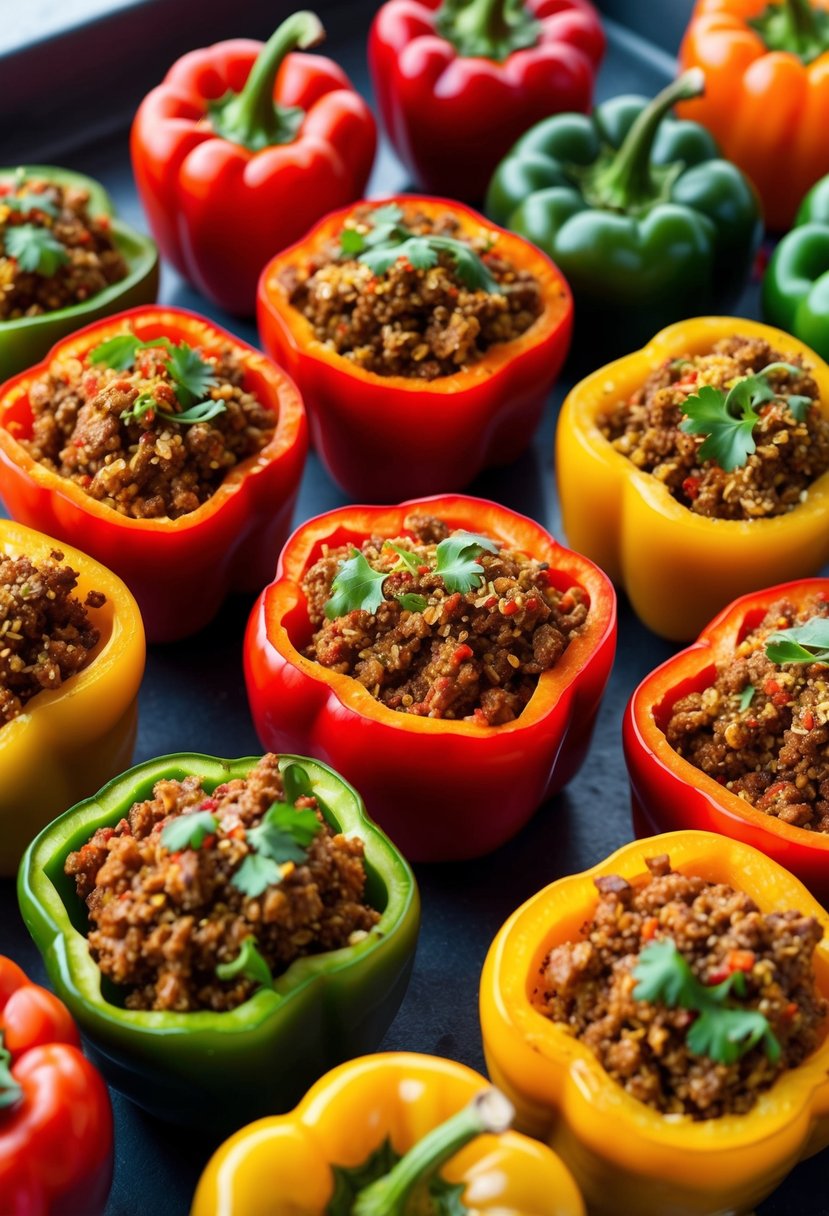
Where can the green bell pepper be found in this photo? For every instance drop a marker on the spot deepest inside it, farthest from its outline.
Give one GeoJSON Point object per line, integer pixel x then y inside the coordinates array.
{"type": "Point", "coordinates": [25, 340]}
{"type": "Point", "coordinates": [644, 219]}
{"type": "Point", "coordinates": [796, 282]}
{"type": "Point", "coordinates": [219, 1070]}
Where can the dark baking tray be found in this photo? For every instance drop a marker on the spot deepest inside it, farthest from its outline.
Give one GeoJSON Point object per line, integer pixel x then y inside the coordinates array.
{"type": "Point", "coordinates": [193, 696]}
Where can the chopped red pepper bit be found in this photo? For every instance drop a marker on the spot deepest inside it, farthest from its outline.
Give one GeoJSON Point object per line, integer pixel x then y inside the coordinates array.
{"type": "Point", "coordinates": [533, 603]}
{"type": "Point", "coordinates": [770, 687]}
{"type": "Point", "coordinates": [649, 928]}
{"type": "Point", "coordinates": [690, 487]}
{"type": "Point", "coordinates": [808, 720]}
{"type": "Point", "coordinates": [740, 960]}
{"type": "Point", "coordinates": [462, 653]}
{"type": "Point", "coordinates": [209, 804]}
{"type": "Point", "coordinates": [510, 608]}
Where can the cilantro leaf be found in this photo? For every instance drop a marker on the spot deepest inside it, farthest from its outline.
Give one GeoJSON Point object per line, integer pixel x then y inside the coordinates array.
{"type": "Point", "coordinates": [419, 251]}
{"type": "Point", "coordinates": [248, 963]}
{"type": "Point", "coordinates": [408, 560]}
{"type": "Point", "coordinates": [799, 406]}
{"type": "Point", "coordinates": [30, 200]}
{"type": "Point", "coordinates": [352, 242]}
{"type": "Point", "coordinates": [35, 249]}
{"type": "Point", "coordinates": [746, 697]}
{"type": "Point", "coordinates": [188, 831]}
{"type": "Point", "coordinates": [118, 352]}
{"type": "Point", "coordinates": [663, 975]}
{"type": "Point", "coordinates": [389, 215]}
{"type": "Point", "coordinates": [285, 833]}
{"type": "Point", "coordinates": [256, 874]}
{"type": "Point", "coordinates": [725, 1035]}
{"type": "Point", "coordinates": [457, 562]}
{"type": "Point", "coordinates": [411, 602]}
{"type": "Point", "coordinates": [807, 643]}
{"type": "Point", "coordinates": [193, 375]}
{"type": "Point", "coordinates": [10, 1091]}
{"type": "Point", "coordinates": [203, 412]}
{"type": "Point", "coordinates": [356, 585]}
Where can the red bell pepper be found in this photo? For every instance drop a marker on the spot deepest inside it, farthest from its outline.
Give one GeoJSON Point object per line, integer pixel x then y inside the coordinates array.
{"type": "Point", "coordinates": [458, 83]}
{"type": "Point", "coordinates": [55, 1116]}
{"type": "Point", "coordinates": [669, 793]}
{"type": "Point", "coordinates": [443, 790]}
{"type": "Point", "coordinates": [179, 570]}
{"type": "Point", "coordinates": [241, 148]}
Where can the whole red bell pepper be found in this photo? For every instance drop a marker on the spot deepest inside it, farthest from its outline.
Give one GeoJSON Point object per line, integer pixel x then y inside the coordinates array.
{"type": "Point", "coordinates": [55, 1116]}
{"type": "Point", "coordinates": [458, 82]}
{"type": "Point", "coordinates": [669, 793]}
{"type": "Point", "coordinates": [442, 789]}
{"type": "Point", "coordinates": [241, 148]}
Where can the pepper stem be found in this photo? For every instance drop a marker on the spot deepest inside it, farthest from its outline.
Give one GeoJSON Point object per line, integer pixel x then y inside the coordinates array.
{"type": "Point", "coordinates": [252, 118]}
{"type": "Point", "coordinates": [794, 26]}
{"type": "Point", "coordinates": [10, 1091]}
{"type": "Point", "coordinates": [488, 29]}
{"type": "Point", "coordinates": [488, 1112]}
{"type": "Point", "coordinates": [627, 182]}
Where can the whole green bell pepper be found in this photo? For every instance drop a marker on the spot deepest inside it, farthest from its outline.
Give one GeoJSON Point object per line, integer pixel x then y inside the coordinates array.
{"type": "Point", "coordinates": [25, 340]}
{"type": "Point", "coordinates": [219, 1070]}
{"type": "Point", "coordinates": [647, 223]}
{"type": "Point", "coordinates": [796, 282]}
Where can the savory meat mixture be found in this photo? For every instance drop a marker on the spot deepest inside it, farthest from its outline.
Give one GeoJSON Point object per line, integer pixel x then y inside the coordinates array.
{"type": "Point", "coordinates": [53, 253]}
{"type": "Point", "coordinates": [412, 308]}
{"type": "Point", "coordinates": [762, 728]}
{"type": "Point", "coordinates": [588, 985]}
{"type": "Point", "coordinates": [792, 447]}
{"type": "Point", "coordinates": [164, 918]}
{"type": "Point", "coordinates": [153, 438]}
{"type": "Point", "coordinates": [46, 634]}
{"type": "Point", "coordinates": [457, 631]}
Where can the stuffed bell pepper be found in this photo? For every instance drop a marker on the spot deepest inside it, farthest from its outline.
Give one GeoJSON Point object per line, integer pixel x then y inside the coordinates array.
{"type": "Point", "coordinates": [382, 1134]}
{"type": "Point", "coordinates": [697, 469]}
{"type": "Point", "coordinates": [65, 260]}
{"type": "Point", "coordinates": [447, 655]}
{"type": "Point", "coordinates": [241, 149]}
{"type": "Point", "coordinates": [458, 82]}
{"type": "Point", "coordinates": [423, 339]}
{"type": "Point", "coordinates": [660, 1021]}
{"type": "Point", "coordinates": [796, 282]}
{"type": "Point", "coordinates": [168, 449]}
{"type": "Point", "coordinates": [70, 670]}
{"type": "Point", "coordinates": [272, 930]}
{"type": "Point", "coordinates": [732, 734]}
{"type": "Point", "coordinates": [55, 1117]}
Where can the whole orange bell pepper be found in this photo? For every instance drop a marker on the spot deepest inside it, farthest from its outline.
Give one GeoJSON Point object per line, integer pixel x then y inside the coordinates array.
{"type": "Point", "coordinates": [372, 1136]}
{"type": "Point", "coordinates": [678, 568]}
{"type": "Point", "coordinates": [626, 1156]}
{"type": "Point", "coordinates": [766, 92]}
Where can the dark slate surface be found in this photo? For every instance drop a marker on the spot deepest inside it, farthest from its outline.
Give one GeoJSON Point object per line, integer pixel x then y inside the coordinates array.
{"type": "Point", "coordinates": [193, 698]}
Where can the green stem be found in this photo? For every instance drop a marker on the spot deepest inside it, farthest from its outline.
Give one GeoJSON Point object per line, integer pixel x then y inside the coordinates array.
{"type": "Point", "coordinates": [794, 26]}
{"type": "Point", "coordinates": [491, 29]}
{"type": "Point", "coordinates": [10, 1091]}
{"type": "Point", "coordinates": [488, 1112]}
{"type": "Point", "coordinates": [800, 17]}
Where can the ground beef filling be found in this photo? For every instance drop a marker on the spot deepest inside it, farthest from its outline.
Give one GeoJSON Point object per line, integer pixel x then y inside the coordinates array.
{"type": "Point", "coordinates": [89, 260]}
{"type": "Point", "coordinates": [790, 455]}
{"type": "Point", "coordinates": [162, 921]}
{"type": "Point", "coordinates": [411, 322]}
{"type": "Point", "coordinates": [149, 468]}
{"type": "Point", "coordinates": [770, 745]}
{"type": "Point", "coordinates": [588, 986]}
{"type": "Point", "coordinates": [45, 631]}
{"type": "Point", "coordinates": [476, 656]}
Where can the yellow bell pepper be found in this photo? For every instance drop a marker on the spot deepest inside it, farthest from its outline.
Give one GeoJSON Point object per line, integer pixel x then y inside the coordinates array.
{"type": "Point", "coordinates": [625, 1155]}
{"type": "Point", "coordinates": [436, 1114]}
{"type": "Point", "coordinates": [678, 568]}
{"type": "Point", "coordinates": [70, 740]}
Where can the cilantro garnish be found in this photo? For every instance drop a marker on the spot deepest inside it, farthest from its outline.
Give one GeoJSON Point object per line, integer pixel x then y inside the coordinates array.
{"type": "Point", "coordinates": [457, 562]}
{"type": "Point", "coordinates": [284, 834]}
{"type": "Point", "coordinates": [356, 585]}
{"type": "Point", "coordinates": [188, 831]}
{"type": "Point", "coordinates": [10, 1091]}
{"type": "Point", "coordinates": [721, 1032]}
{"type": "Point", "coordinates": [145, 403]}
{"type": "Point", "coordinates": [807, 643]}
{"type": "Point", "coordinates": [408, 560]}
{"type": "Point", "coordinates": [728, 419]}
{"type": "Point", "coordinates": [35, 249]}
{"type": "Point", "coordinates": [248, 963]}
{"type": "Point", "coordinates": [30, 201]}
{"type": "Point", "coordinates": [411, 602]}
{"type": "Point", "coordinates": [746, 697]}
{"type": "Point", "coordinates": [192, 375]}
{"type": "Point", "coordinates": [256, 874]}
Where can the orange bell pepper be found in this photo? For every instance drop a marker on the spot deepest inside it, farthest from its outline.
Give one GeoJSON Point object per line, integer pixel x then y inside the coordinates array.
{"type": "Point", "coordinates": [70, 740]}
{"type": "Point", "coordinates": [766, 92]}
{"type": "Point", "coordinates": [626, 1156]}
{"type": "Point", "coordinates": [286, 1166]}
{"type": "Point", "coordinates": [678, 568]}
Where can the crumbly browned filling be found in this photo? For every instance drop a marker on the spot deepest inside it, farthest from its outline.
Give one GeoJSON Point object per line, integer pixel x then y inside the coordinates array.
{"type": "Point", "coordinates": [474, 656]}
{"type": "Point", "coordinates": [92, 260]}
{"type": "Point", "coordinates": [46, 634]}
{"type": "Point", "coordinates": [588, 986]}
{"type": "Point", "coordinates": [412, 322]}
{"type": "Point", "coordinates": [762, 730]}
{"type": "Point", "coordinates": [162, 922]}
{"type": "Point", "coordinates": [150, 468]}
{"type": "Point", "coordinates": [790, 454]}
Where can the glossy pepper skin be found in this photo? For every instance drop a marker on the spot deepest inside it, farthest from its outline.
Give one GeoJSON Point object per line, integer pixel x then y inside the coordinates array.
{"type": "Point", "coordinates": [56, 1135]}
{"type": "Point", "coordinates": [283, 1166]}
{"type": "Point", "coordinates": [227, 544]}
{"type": "Point", "coordinates": [219, 1070]}
{"type": "Point", "coordinates": [678, 568]}
{"type": "Point", "coordinates": [668, 792]}
{"type": "Point", "coordinates": [766, 95]}
{"type": "Point", "coordinates": [646, 221]}
{"type": "Point", "coordinates": [796, 282]}
{"type": "Point", "coordinates": [443, 790]}
{"type": "Point", "coordinates": [386, 437]}
{"type": "Point", "coordinates": [70, 739]}
{"type": "Point", "coordinates": [227, 181]}
{"type": "Point", "coordinates": [626, 1156]}
{"type": "Point", "coordinates": [25, 340]}
{"type": "Point", "coordinates": [456, 83]}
